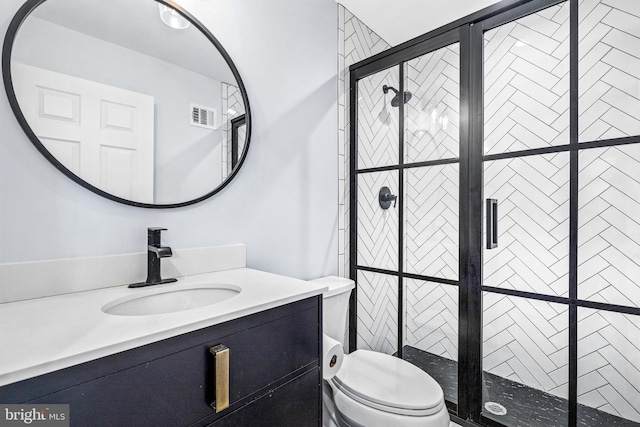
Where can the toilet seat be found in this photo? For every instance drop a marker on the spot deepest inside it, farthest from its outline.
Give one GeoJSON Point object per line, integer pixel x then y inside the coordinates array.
{"type": "Point", "coordinates": [389, 384]}
{"type": "Point", "coordinates": [351, 413]}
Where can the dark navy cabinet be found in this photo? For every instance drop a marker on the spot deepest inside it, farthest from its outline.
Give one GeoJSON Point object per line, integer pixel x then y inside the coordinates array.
{"type": "Point", "coordinates": [274, 377]}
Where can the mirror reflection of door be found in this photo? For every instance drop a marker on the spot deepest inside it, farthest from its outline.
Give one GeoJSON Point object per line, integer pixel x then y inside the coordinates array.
{"type": "Point", "coordinates": [124, 47]}
{"type": "Point", "coordinates": [101, 133]}
{"type": "Point", "coordinates": [238, 136]}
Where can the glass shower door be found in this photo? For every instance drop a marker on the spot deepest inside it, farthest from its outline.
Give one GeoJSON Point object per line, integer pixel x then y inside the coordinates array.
{"type": "Point", "coordinates": [506, 250]}
{"type": "Point", "coordinates": [608, 276]}
{"type": "Point", "coordinates": [526, 219]}
{"type": "Point", "coordinates": [407, 183]}
{"type": "Point", "coordinates": [377, 239]}
{"type": "Point", "coordinates": [431, 214]}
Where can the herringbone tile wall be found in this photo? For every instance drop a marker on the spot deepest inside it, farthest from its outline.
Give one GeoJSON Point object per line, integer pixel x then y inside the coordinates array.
{"type": "Point", "coordinates": [377, 312]}
{"type": "Point", "coordinates": [377, 227]}
{"type": "Point", "coordinates": [431, 321]}
{"type": "Point", "coordinates": [609, 69]}
{"type": "Point", "coordinates": [377, 121]}
{"type": "Point", "coordinates": [432, 115]}
{"type": "Point", "coordinates": [609, 362]}
{"type": "Point", "coordinates": [526, 341]}
{"type": "Point", "coordinates": [608, 268]}
{"type": "Point", "coordinates": [533, 210]}
{"type": "Point", "coordinates": [356, 42]}
{"type": "Point", "coordinates": [360, 42]}
{"type": "Point", "coordinates": [527, 82]}
{"type": "Point", "coordinates": [526, 106]}
{"type": "Point", "coordinates": [431, 193]}
{"type": "Point", "coordinates": [609, 232]}
{"type": "Point", "coordinates": [431, 221]}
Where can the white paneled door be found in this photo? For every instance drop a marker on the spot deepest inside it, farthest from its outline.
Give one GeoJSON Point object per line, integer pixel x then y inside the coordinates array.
{"type": "Point", "coordinates": [103, 134]}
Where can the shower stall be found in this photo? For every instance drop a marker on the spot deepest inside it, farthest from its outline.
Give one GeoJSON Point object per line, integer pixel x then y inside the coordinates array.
{"type": "Point", "coordinates": [503, 257]}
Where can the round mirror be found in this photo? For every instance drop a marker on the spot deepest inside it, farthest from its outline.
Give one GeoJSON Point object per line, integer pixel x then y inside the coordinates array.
{"type": "Point", "coordinates": [132, 99]}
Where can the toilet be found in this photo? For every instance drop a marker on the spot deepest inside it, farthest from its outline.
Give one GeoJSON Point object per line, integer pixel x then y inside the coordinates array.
{"type": "Point", "coordinates": [374, 389]}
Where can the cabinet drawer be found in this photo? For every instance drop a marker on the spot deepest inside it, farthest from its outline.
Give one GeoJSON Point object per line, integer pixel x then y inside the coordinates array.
{"type": "Point", "coordinates": [294, 404]}
{"type": "Point", "coordinates": [176, 389]}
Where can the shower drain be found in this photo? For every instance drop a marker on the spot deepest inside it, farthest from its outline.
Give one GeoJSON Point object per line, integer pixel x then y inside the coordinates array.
{"type": "Point", "coordinates": [495, 408]}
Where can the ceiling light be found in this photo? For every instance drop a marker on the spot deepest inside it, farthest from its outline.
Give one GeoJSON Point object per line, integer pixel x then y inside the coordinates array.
{"type": "Point", "coordinates": [172, 18]}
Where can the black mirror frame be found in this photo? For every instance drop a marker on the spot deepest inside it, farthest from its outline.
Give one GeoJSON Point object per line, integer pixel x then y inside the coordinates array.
{"type": "Point", "coordinates": [7, 49]}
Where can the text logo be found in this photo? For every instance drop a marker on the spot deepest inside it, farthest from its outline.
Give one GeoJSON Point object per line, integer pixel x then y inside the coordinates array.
{"type": "Point", "coordinates": [34, 415]}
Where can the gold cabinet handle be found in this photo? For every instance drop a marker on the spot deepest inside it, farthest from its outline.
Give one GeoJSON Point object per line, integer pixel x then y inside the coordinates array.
{"type": "Point", "coordinates": [221, 354]}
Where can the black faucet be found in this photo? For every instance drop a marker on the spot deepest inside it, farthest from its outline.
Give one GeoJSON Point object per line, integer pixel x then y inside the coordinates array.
{"type": "Point", "coordinates": [155, 252]}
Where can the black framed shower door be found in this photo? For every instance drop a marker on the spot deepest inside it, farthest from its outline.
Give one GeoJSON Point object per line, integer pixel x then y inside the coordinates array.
{"type": "Point", "coordinates": [532, 288]}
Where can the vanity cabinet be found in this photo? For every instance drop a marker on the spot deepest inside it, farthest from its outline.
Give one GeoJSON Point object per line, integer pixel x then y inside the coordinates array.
{"type": "Point", "coordinates": [274, 377]}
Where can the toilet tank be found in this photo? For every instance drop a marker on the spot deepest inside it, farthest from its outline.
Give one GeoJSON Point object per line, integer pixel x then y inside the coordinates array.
{"type": "Point", "coordinates": [335, 306]}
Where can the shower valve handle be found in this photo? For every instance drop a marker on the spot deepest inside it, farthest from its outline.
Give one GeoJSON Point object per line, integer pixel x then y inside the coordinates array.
{"type": "Point", "coordinates": [385, 197]}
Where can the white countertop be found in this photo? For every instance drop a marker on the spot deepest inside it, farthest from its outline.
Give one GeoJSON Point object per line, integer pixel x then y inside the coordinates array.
{"type": "Point", "coordinates": [46, 334]}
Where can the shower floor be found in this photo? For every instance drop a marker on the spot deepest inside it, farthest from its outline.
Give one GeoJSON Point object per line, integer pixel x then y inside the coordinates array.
{"type": "Point", "coordinates": [526, 406]}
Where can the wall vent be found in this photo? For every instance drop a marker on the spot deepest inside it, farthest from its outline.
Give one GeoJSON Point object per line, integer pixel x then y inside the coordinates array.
{"type": "Point", "coordinates": [204, 117]}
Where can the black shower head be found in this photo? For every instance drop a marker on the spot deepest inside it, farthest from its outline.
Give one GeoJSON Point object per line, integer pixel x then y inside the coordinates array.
{"type": "Point", "coordinates": [395, 102]}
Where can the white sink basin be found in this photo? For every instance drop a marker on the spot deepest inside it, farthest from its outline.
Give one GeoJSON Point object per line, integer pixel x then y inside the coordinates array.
{"type": "Point", "coordinates": [170, 300]}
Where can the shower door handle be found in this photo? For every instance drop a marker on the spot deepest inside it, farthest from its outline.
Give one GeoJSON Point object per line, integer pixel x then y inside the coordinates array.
{"type": "Point", "coordinates": [492, 223]}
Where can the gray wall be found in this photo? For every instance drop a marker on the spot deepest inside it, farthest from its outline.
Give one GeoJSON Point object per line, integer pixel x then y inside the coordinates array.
{"type": "Point", "coordinates": [283, 202]}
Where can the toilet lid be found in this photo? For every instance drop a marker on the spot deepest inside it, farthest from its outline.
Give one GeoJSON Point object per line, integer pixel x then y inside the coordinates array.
{"type": "Point", "coordinates": [390, 383]}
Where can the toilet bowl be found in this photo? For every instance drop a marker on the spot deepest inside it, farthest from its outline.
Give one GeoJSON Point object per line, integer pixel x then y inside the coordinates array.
{"type": "Point", "coordinates": [373, 389]}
